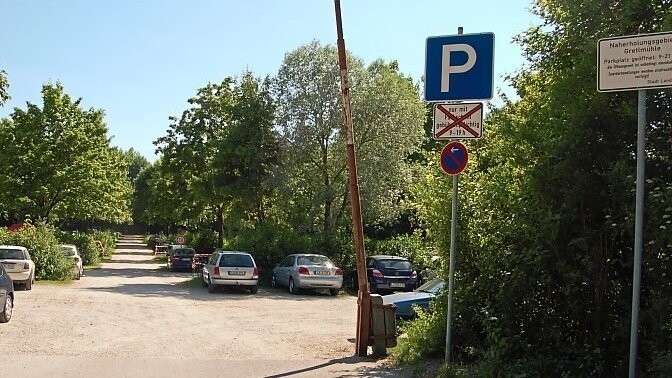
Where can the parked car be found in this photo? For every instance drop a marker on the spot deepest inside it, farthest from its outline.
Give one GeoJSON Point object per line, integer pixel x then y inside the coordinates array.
{"type": "Point", "coordinates": [180, 258]}
{"type": "Point", "coordinates": [390, 273]}
{"type": "Point", "coordinates": [404, 302]}
{"type": "Point", "coordinates": [307, 271]}
{"type": "Point", "coordinates": [6, 296]}
{"type": "Point", "coordinates": [71, 253]}
{"type": "Point", "coordinates": [231, 268]}
{"type": "Point", "coordinates": [18, 264]}
{"type": "Point", "coordinates": [171, 247]}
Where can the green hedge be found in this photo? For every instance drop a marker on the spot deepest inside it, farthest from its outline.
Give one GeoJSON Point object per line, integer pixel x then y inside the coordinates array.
{"type": "Point", "coordinates": [109, 240]}
{"type": "Point", "coordinates": [41, 242]}
{"type": "Point", "coordinates": [86, 245]}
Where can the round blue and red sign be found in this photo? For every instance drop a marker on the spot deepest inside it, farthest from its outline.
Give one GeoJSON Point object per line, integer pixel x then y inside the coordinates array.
{"type": "Point", "coordinates": [454, 158]}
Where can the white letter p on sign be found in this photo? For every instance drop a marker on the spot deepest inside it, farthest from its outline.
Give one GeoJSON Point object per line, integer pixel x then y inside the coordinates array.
{"type": "Point", "coordinates": [447, 69]}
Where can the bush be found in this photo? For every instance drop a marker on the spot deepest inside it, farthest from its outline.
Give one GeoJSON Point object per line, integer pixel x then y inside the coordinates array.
{"type": "Point", "coordinates": [203, 241]}
{"type": "Point", "coordinates": [411, 247]}
{"type": "Point", "coordinates": [424, 336]}
{"type": "Point", "coordinates": [108, 239]}
{"type": "Point", "coordinates": [86, 245]}
{"type": "Point", "coordinates": [41, 242]}
{"type": "Point", "coordinates": [269, 243]}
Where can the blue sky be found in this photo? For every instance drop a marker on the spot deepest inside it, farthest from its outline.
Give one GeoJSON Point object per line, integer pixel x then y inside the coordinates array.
{"type": "Point", "coordinates": [141, 60]}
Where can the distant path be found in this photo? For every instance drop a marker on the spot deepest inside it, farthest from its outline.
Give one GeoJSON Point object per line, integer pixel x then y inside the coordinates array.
{"type": "Point", "coordinates": [133, 318]}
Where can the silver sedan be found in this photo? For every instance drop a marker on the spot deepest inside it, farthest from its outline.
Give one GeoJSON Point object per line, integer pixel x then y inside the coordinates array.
{"type": "Point", "coordinates": [307, 271]}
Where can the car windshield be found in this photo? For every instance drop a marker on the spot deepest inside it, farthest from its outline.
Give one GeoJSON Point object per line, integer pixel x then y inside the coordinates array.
{"type": "Point", "coordinates": [395, 264]}
{"type": "Point", "coordinates": [69, 251]}
{"type": "Point", "coordinates": [236, 260]}
{"type": "Point", "coordinates": [11, 254]}
{"type": "Point", "coordinates": [432, 286]}
{"type": "Point", "coordinates": [317, 260]}
{"type": "Point", "coordinates": [183, 252]}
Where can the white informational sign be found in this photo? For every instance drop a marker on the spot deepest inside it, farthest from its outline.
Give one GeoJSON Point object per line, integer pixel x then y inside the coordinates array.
{"type": "Point", "coordinates": [460, 120]}
{"type": "Point", "coordinates": [634, 62]}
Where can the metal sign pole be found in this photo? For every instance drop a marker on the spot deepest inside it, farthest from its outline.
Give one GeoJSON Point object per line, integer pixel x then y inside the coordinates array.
{"type": "Point", "coordinates": [451, 279]}
{"type": "Point", "coordinates": [639, 228]}
{"type": "Point", "coordinates": [451, 273]}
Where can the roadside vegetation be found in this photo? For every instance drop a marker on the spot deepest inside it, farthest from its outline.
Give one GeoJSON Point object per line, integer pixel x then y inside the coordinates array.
{"type": "Point", "coordinates": [545, 246]}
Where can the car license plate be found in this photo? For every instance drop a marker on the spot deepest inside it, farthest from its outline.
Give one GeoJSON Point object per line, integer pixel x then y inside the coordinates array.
{"type": "Point", "coordinates": [186, 259]}
{"type": "Point", "coordinates": [236, 273]}
{"type": "Point", "coordinates": [322, 272]}
{"type": "Point", "coordinates": [397, 284]}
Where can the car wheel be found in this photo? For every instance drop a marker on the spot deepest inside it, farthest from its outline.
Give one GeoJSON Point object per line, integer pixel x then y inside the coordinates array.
{"type": "Point", "coordinates": [292, 288]}
{"type": "Point", "coordinates": [6, 313]}
{"type": "Point", "coordinates": [333, 292]}
{"type": "Point", "coordinates": [254, 289]}
{"type": "Point", "coordinates": [274, 282]}
{"type": "Point", "coordinates": [211, 287]}
{"type": "Point", "coordinates": [28, 285]}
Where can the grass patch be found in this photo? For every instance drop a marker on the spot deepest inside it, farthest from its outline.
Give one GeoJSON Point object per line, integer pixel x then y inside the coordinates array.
{"type": "Point", "coordinates": [192, 283]}
{"type": "Point", "coordinates": [65, 282]}
{"type": "Point", "coordinates": [93, 267]}
{"type": "Point", "coordinates": [160, 259]}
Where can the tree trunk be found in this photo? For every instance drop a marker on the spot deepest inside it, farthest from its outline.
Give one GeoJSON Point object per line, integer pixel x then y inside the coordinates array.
{"type": "Point", "coordinates": [219, 211]}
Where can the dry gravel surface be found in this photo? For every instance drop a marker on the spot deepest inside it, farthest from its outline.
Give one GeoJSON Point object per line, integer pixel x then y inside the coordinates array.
{"type": "Point", "coordinates": [133, 318]}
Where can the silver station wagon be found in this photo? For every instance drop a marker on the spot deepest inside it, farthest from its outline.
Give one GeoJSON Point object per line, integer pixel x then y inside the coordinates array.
{"type": "Point", "coordinates": [307, 271]}
{"type": "Point", "coordinates": [231, 268]}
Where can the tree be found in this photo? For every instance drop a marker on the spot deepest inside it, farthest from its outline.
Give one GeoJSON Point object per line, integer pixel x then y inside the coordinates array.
{"type": "Point", "coordinates": [222, 148]}
{"type": "Point", "coordinates": [136, 163]}
{"type": "Point", "coordinates": [61, 164]}
{"type": "Point", "coordinates": [4, 96]}
{"type": "Point", "coordinates": [546, 232]}
{"type": "Point", "coordinates": [388, 118]}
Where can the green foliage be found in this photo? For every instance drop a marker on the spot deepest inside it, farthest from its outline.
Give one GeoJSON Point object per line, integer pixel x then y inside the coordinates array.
{"type": "Point", "coordinates": [41, 242]}
{"type": "Point", "coordinates": [109, 240]}
{"type": "Point", "coordinates": [203, 240]}
{"type": "Point", "coordinates": [269, 244]}
{"type": "Point", "coordinates": [424, 336]}
{"type": "Point", "coordinates": [62, 166]}
{"type": "Point", "coordinates": [410, 246]}
{"type": "Point", "coordinates": [4, 96]}
{"type": "Point", "coordinates": [85, 243]}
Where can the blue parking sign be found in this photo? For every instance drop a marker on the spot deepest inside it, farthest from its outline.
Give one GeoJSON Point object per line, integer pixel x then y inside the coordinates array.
{"type": "Point", "coordinates": [459, 67]}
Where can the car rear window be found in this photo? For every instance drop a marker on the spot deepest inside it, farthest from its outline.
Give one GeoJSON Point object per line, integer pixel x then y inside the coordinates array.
{"type": "Point", "coordinates": [240, 261]}
{"type": "Point", "coordinates": [183, 252]}
{"type": "Point", "coordinates": [11, 254]}
{"type": "Point", "coordinates": [395, 264]}
{"type": "Point", "coordinates": [314, 260]}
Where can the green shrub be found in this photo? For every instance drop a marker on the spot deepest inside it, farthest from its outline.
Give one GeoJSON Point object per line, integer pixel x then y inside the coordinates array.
{"type": "Point", "coordinates": [41, 242]}
{"type": "Point", "coordinates": [86, 245]}
{"type": "Point", "coordinates": [203, 241]}
{"type": "Point", "coordinates": [424, 336]}
{"type": "Point", "coordinates": [410, 246]}
{"type": "Point", "coordinates": [269, 244]}
{"type": "Point", "coordinates": [108, 239]}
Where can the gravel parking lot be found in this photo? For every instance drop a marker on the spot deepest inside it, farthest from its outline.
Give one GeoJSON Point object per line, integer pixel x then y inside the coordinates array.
{"type": "Point", "coordinates": [134, 310]}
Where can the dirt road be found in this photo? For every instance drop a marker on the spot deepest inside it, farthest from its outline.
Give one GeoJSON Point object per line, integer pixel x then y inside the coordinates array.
{"type": "Point", "coordinates": [134, 318]}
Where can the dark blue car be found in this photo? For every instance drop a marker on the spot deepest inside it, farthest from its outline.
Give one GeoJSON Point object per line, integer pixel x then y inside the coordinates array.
{"type": "Point", "coordinates": [6, 296]}
{"type": "Point", "coordinates": [404, 302]}
{"type": "Point", "coordinates": [390, 273]}
{"type": "Point", "coordinates": [181, 258]}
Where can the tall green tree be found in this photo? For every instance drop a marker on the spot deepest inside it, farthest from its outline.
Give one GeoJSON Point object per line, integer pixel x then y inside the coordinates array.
{"type": "Point", "coordinates": [222, 148]}
{"type": "Point", "coordinates": [61, 164]}
{"type": "Point", "coordinates": [388, 116]}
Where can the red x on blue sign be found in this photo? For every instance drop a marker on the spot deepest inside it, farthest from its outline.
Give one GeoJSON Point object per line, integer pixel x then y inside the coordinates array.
{"type": "Point", "coordinates": [454, 158]}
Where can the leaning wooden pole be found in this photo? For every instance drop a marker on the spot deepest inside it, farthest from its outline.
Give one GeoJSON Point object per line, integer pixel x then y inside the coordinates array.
{"type": "Point", "coordinates": [363, 297]}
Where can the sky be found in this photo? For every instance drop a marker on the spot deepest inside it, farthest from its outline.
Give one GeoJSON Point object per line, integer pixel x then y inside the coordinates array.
{"type": "Point", "coordinates": [141, 60]}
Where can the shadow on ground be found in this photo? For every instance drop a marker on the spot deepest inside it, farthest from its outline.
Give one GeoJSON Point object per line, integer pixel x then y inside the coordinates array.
{"type": "Point", "coordinates": [376, 371]}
